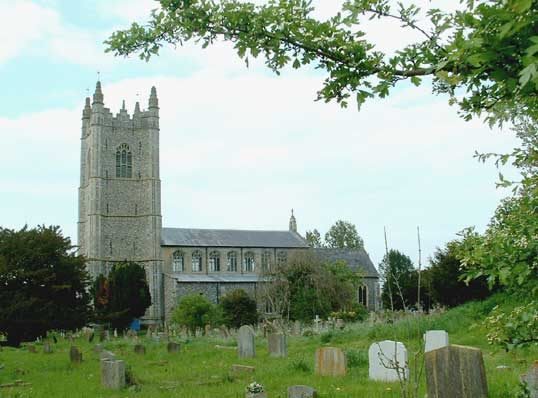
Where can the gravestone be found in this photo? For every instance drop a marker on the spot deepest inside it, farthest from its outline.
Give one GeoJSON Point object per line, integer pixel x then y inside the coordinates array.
{"type": "Point", "coordinates": [98, 348]}
{"type": "Point", "coordinates": [107, 355]}
{"type": "Point", "coordinates": [243, 369]}
{"type": "Point", "coordinates": [47, 349]}
{"type": "Point", "coordinates": [435, 339]}
{"type": "Point", "coordinates": [139, 349]}
{"type": "Point", "coordinates": [388, 361]}
{"type": "Point", "coordinates": [113, 374]}
{"type": "Point", "coordinates": [173, 348]}
{"type": "Point", "coordinates": [32, 349]}
{"type": "Point", "coordinates": [317, 322]}
{"type": "Point", "coordinates": [75, 355]}
{"type": "Point", "coordinates": [340, 324]}
{"type": "Point", "coordinates": [116, 333]}
{"type": "Point", "coordinates": [296, 328]}
{"type": "Point", "coordinates": [330, 361]}
{"type": "Point", "coordinates": [277, 345]}
{"type": "Point", "coordinates": [455, 372]}
{"type": "Point", "coordinates": [301, 392]}
{"type": "Point", "coordinates": [246, 342]}
{"type": "Point", "coordinates": [531, 380]}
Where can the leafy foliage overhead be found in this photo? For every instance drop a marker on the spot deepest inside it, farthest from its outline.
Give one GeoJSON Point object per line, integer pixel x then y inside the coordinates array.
{"type": "Point", "coordinates": [484, 55]}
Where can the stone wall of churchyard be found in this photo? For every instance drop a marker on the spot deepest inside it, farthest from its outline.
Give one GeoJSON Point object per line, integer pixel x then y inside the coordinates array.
{"type": "Point", "coordinates": [168, 252]}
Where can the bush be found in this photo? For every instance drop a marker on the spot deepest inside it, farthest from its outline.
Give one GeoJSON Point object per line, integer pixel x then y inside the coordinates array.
{"type": "Point", "coordinates": [238, 309]}
{"type": "Point", "coordinates": [355, 314]}
{"type": "Point", "coordinates": [195, 311]}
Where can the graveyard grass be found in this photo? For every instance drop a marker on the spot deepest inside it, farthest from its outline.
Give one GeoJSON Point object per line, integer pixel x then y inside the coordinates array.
{"type": "Point", "coordinates": [201, 370]}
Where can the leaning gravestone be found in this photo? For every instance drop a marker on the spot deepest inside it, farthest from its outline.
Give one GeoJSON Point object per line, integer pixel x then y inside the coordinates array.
{"type": "Point", "coordinates": [277, 345]}
{"type": "Point", "coordinates": [301, 392]}
{"type": "Point", "coordinates": [531, 380]}
{"type": "Point", "coordinates": [330, 361]}
{"type": "Point", "coordinates": [435, 339]}
{"type": "Point", "coordinates": [113, 374]}
{"type": "Point", "coordinates": [75, 355]}
{"type": "Point", "coordinates": [107, 355]}
{"type": "Point", "coordinates": [455, 372]}
{"type": "Point", "coordinates": [139, 349]}
{"type": "Point", "coordinates": [388, 361]}
{"type": "Point", "coordinates": [246, 342]}
{"type": "Point", "coordinates": [173, 348]}
{"type": "Point", "coordinates": [47, 349]}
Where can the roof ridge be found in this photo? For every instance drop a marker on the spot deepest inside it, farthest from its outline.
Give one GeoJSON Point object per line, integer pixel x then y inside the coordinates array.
{"type": "Point", "coordinates": [230, 229]}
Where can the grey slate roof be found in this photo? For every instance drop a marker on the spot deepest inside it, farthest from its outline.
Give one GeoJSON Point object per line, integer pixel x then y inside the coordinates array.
{"type": "Point", "coordinates": [215, 278]}
{"type": "Point", "coordinates": [231, 238]}
{"type": "Point", "coordinates": [356, 259]}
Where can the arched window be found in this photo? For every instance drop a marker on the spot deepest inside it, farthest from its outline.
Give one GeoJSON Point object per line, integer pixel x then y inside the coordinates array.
{"type": "Point", "coordinates": [362, 295]}
{"type": "Point", "coordinates": [232, 261]}
{"type": "Point", "coordinates": [214, 261]}
{"type": "Point", "coordinates": [178, 264]}
{"type": "Point", "coordinates": [248, 262]}
{"type": "Point", "coordinates": [197, 261]}
{"type": "Point", "coordinates": [282, 258]}
{"type": "Point", "coordinates": [124, 161]}
{"type": "Point", "coordinates": [266, 261]}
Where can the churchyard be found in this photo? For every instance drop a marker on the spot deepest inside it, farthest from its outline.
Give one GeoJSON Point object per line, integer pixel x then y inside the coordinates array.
{"type": "Point", "coordinates": [210, 366]}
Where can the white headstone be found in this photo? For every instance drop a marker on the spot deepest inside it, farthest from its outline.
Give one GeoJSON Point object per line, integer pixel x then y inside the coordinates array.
{"type": "Point", "coordinates": [388, 361]}
{"type": "Point", "coordinates": [435, 339]}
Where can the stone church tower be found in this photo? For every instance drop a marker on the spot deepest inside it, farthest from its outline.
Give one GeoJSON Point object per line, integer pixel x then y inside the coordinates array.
{"type": "Point", "coordinates": [120, 191]}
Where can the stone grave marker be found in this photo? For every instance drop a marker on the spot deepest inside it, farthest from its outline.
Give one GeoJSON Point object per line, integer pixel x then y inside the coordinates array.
{"type": "Point", "coordinates": [107, 355]}
{"type": "Point", "coordinates": [32, 349]}
{"type": "Point", "coordinates": [246, 342]}
{"type": "Point", "coordinates": [455, 372]}
{"type": "Point", "coordinates": [340, 324]}
{"type": "Point", "coordinates": [113, 374]}
{"type": "Point", "coordinates": [531, 380]}
{"type": "Point", "coordinates": [98, 348]}
{"type": "Point", "coordinates": [139, 349]}
{"type": "Point", "coordinates": [173, 348]}
{"type": "Point", "coordinates": [47, 349]}
{"type": "Point", "coordinates": [317, 322]}
{"type": "Point", "coordinates": [388, 361]}
{"type": "Point", "coordinates": [435, 339]}
{"type": "Point", "coordinates": [75, 355]}
{"type": "Point", "coordinates": [296, 328]}
{"type": "Point", "coordinates": [243, 369]}
{"type": "Point", "coordinates": [277, 345]}
{"type": "Point", "coordinates": [330, 361]}
{"type": "Point", "coordinates": [302, 392]}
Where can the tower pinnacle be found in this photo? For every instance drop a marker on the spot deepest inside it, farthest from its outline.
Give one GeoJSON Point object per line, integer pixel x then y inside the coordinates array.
{"type": "Point", "coordinates": [293, 222]}
{"type": "Point", "coordinates": [153, 101]}
{"type": "Point", "coordinates": [98, 95]}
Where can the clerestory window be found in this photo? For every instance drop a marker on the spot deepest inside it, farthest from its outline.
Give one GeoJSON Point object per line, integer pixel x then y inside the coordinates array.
{"type": "Point", "coordinates": [214, 261]}
{"type": "Point", "coordinates": [249, 263]}
{"type": "Point", "coordinates": [232, 261]}
{"type": "Point", "coordinates": [124, 162]}
{"type": "Point", "coordinates": [197, 261]}
{"type": "Point", "coordinates": [178, 264]}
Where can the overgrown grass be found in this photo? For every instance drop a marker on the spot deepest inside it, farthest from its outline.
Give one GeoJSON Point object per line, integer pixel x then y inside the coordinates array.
{"type": "Point", "coordinates": [201, 370]}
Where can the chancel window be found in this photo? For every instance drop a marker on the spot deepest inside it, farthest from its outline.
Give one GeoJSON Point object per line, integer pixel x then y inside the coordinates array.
{"type": "Point", "coordinates": [362, 295]}
{"type": "Point", "coordinates": [232, 261]}
{"type": "Point", "coordinates": [214, 261]}
{"type": "Point", "coordinates": [266, 261]}
{"type": "Point", "coordinates": [178, 264]}
{"type": "Point", "coordinates": [282, 258]}
{"type": "Point", "coordinates": [124, 161]}
{"type": "Point", "coordinates": [197, 261]}
{"type": "Point", "coordinates": [248, 262]}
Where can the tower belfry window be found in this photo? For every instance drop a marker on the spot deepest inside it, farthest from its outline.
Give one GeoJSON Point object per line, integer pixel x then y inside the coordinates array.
{"type": "Point", "coordinates": [124, 161]}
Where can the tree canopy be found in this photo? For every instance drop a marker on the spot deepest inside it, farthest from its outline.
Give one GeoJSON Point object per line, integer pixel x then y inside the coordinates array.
{"type": "Point", "coordinates": [483, 55]}
{"type": "Point", "coordinates": [343, 235]}
{"type": "Point", "coordinates": [43, 283]}
{"type": "Point", "coordinates": [123, 295]}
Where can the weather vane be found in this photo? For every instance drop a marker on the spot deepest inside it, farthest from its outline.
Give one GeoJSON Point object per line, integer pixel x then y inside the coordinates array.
{"type": "Point", "coordinates": [98, 76]}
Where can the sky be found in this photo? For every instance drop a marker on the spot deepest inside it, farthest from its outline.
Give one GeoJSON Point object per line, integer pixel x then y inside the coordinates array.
{"type": "Point", "coordinates": [240, 147]}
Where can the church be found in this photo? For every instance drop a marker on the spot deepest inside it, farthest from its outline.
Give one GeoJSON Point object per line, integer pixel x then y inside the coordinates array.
{"type": "Point", "coordinates": [120, 220]}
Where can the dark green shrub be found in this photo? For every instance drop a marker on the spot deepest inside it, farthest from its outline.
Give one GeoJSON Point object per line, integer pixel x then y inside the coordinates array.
{"type": "Point", "coordinates": [238, 309]}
